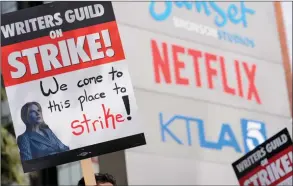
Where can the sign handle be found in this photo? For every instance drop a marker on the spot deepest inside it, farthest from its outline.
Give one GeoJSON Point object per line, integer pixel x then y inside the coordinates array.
{"type": "Point", "coordinates": [88, 172]}
{"type": "Point", "coordinates": [284, 50]}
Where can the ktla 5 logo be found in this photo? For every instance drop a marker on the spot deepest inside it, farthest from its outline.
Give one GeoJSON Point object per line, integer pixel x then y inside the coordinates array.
{"type": "Point", "coordinates": [253, 133]}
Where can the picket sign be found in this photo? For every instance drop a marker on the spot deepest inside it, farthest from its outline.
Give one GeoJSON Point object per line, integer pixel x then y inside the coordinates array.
{"type": "Point", "coordinates": [68, 87]}
{"type": "Point", "coordinates": [269, 164]}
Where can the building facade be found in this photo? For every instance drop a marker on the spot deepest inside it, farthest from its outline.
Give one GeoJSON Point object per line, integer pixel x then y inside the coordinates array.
{"type": "Point", "coordinates": [210, 86]}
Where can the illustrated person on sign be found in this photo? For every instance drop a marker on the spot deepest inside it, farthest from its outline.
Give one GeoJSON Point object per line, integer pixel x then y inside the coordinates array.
{"type": "Point", "coordinates": [101, 179]}
{"type": "Point", "coordinates": [38, 140]}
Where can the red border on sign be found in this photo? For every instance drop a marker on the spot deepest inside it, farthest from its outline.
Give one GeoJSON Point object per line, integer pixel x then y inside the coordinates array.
{"type": "Point", "coordinates": [257, 169]}
{"type": "Point", "coordinates": [7, 69]}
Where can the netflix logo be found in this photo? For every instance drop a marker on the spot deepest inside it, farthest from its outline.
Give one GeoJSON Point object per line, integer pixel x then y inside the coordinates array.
{"type": "Point", "coordinates": [170, 62]}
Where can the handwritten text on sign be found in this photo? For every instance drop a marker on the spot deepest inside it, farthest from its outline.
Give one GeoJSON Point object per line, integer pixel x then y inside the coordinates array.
{"type": "Point", "coordinates": [68, 86]}
{"type": "Point", "coordinates": [73, 50]}
{"type": "Point", "coordinates": [107, 118]}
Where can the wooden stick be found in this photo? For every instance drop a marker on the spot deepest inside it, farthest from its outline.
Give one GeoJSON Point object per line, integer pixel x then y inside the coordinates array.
{"type": "Point", "coordinates": [88, 172]}
{"type": "Point", "coordinates": [284, 50]}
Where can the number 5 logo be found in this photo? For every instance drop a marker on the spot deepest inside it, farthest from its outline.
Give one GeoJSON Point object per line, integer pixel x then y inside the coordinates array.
{"type": "Point", "coordinates": [253, 133]}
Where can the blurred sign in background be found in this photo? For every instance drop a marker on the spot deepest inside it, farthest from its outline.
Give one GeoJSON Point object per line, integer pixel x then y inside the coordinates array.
{"type": "Point", "coordinates": [194, 132]}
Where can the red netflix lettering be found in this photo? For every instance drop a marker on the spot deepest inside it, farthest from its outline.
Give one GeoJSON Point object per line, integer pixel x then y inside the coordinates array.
{"type": "Point", "coordinates": [252, 88]}
{"type": "Point", "coordinates": [210, 71]}
{"type": "Point", "coordinates": [244, 72]}
{"type": "Point", "coordinates": [239, 79]}
{"type": "Point", "coordinates": [89, 125]}
{"type": "Point", "coordinates": [178, 65]}
{"type": "Point", "coordinates": [160, 63]}
{"type": "Point", "coordinates": [195, 55]}
{"type": "Point", "coordinates": [227, 89]}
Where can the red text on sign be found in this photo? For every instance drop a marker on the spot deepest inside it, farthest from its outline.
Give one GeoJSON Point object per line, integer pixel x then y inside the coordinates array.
{"type": "Point", "coordinates": [275, 171]}
{"type": "Point", "coordinates": [166, 56]}
{"type": "Point", "coordinates": [77, 49]}
{"type": "Point", "coordinates": [87, 125]}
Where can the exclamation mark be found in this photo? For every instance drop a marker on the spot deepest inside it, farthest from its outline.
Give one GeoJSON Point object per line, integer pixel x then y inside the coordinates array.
{"type": "Point", "coordinates": [107, 43]}
{"type": "Point", "coordinates": [127, 106]}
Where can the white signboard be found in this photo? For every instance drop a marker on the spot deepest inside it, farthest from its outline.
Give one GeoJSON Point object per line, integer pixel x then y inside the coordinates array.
{"type": "Point", "coordinates": [246, 28]}
{"type": "Point", "coordinates": [182, 128]}
{"type": "Point", "coordinates": [68, 88]}
{"type": "Point", "coordinates": [168, 65]}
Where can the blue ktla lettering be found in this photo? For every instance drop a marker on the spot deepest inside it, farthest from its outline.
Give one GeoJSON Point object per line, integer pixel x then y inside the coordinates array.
{"type": "Point", "coordinates": [222, 141]}
{"type": "Point", "coordinates": [165, 129]}
{"type": "Point", "coordinates": [253, 132]}
{"type": "Point", "coordinates": [226, 131]}
{"type": "Point", "coordinates": [234, 14]}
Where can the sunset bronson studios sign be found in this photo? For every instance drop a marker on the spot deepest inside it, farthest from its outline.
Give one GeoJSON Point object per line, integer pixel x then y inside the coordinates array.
{"type": "Point", "coordinates": [235, 14]}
